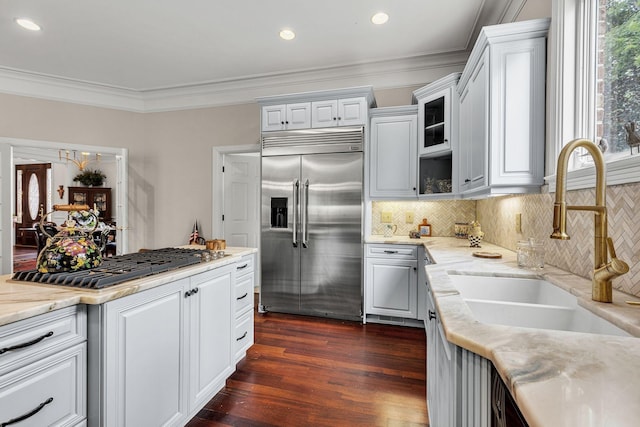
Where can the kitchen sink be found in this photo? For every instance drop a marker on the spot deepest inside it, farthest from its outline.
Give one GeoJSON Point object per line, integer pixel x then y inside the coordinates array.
{"type": "Point", "coordinates": [529, 303]}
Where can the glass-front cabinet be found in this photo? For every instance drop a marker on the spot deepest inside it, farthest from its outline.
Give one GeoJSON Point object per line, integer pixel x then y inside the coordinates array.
{"type": "Point", "coordinates": [437, 111]}
{"type": "Point", "coordinates": [434, 136]}
{"type": "Point", "coordinates": [100, 197]}
{"type": "Point", "coordinates": [438, 138]}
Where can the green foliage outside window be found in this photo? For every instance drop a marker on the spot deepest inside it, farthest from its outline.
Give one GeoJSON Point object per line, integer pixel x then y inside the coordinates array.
{"type": "Point", "coordinates": [621, 91]}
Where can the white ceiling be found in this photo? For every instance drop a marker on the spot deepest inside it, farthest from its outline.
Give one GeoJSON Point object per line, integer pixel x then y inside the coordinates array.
{"type": "Point", "coordinates": [149, 47]}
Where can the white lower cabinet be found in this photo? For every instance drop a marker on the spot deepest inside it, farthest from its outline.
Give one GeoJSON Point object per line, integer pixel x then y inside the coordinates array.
{"type": "Point", "coordinates": [391, 279]}
{"type": "Point", "coordinates": [458, 381]}
{"type": "Point", "coordinates": [242, 339]}
{"type": "Point", "coordinates": [441, 371]}
{"type": "Point", "coordinates": [210, 345]}
{"type": "Point", "coordinates": [157, 356]}
{"type": "Point", "coordinates": [43, 370]}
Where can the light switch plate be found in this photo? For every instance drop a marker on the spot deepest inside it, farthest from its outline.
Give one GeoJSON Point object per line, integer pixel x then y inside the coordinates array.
{"type": "Point", "coordinates": [386, 217]}
{"type": "Point", "coordinates": [408, 217]}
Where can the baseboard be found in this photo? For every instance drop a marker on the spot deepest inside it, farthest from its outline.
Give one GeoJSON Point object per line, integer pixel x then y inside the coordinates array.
{"type": "Point", "coordinates": [392, 320]}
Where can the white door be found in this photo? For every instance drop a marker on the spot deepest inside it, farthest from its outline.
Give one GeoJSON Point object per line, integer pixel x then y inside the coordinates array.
{"type": "Point", "coordinates": [241, 194]}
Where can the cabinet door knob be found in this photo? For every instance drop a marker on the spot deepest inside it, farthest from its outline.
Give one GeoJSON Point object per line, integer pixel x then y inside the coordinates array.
{"type": "Point", "coordinates": [414, 188]}
{"type": "Point", "coordinates": [335, 118]}
{"type": "Point", "coordinates": [339, 118]}
{"type": "Point", "coordinates": [287, 122]}
{"type": "Point", "coordinates": [281, 123]}
{"type": "Point", "coordinates": [446, 140]}
{"type": "Point", "coordinates": [432, 315]}
{"type": "Point", "coordinates": [467, 180]}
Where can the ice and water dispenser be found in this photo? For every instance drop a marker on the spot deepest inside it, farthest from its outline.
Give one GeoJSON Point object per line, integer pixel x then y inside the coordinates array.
{"type": "Point", "coordinates": [279, 212]}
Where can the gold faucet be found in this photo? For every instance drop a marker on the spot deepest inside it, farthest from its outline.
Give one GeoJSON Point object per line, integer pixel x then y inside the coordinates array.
{"type": "Point", "coordinates": [604, 270]}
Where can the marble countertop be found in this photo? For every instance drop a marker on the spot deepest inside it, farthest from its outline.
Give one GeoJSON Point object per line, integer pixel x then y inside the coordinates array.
{"type": "Point", "coordinates": [557, 378]}
{"type": "Point", "coordinates": [21, 300]}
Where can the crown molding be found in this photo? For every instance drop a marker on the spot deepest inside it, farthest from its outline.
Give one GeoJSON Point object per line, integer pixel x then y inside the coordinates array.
{"type": "Point", "coordinates": [398, 72]}
{"type": "Point", "coordinates": [22, 83]}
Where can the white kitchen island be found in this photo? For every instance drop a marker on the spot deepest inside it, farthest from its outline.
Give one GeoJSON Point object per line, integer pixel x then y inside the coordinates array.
{"type": "Point", "coordinates": [150, 351]}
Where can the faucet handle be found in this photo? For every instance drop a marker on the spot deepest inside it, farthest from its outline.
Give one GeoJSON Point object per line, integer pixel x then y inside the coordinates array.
{"type": "Point", "coordinates": [617, 265]}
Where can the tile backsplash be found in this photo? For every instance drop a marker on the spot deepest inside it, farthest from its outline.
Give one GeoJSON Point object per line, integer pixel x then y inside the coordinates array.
{"type": "Point", "coordinates": [498, 219]}
{"type": "Point", "coordinates": [497, 216]}
{"type": "Point", "coordinates": [441, 214]}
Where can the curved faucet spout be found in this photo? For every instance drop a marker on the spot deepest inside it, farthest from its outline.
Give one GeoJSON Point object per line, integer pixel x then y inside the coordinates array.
{"type": "Point", "coordinates": [604, 271]}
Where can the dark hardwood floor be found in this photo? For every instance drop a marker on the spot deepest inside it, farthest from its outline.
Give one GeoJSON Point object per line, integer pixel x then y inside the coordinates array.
{"type": "Point", "coordinates": [24, 258]}
{"type": "Point", "coordinates": [305, 371]}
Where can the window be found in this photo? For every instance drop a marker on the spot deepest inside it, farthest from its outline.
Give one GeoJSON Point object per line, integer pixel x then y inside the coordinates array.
{"type": "Point", "coordinates": [595, 85]}
{"type": "Point", "coordinates": [618, 73]}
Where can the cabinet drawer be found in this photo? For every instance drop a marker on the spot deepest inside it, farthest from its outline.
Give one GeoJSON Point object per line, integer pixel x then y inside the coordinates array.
{"type": "Point", "coordinates": [393, 251]}
{"type": "Point", "coordinates": [243, 334]}
{"type": "Point", "coordinates": [244, 293]}
{"type": "Point", "coordinates": [245, 265]}
{"type": "Point", "coordinates": [56, 385]}
{"type": "Point", "coordinates": [31, 339]}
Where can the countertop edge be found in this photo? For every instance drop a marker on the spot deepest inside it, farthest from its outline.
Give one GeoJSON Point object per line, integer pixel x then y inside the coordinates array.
{"type": "Point", "coordinates": [22, 300]}
{"type": "Point", "coordinates": [555, 377]}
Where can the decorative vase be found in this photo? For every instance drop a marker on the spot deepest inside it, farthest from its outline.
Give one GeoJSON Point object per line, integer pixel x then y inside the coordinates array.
{"type": "Point", "coordinates": [475, 234]}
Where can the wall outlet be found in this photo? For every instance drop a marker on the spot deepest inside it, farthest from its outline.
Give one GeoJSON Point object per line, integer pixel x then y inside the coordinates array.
{"type": "Point", "coordinates": [518, 223]}
{"type": "Point", "coordinates": [408, 217]}
{"type": "Point", "coordinates": [386, 217]}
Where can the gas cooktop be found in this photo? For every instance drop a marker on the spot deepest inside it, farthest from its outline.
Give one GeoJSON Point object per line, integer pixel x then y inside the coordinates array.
{"type": "Point", "coordinates": [118, 269]}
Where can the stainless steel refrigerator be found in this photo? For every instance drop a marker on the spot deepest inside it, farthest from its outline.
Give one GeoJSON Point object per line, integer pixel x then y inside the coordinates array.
{"type": "Point", "coordinates": [311, 222]}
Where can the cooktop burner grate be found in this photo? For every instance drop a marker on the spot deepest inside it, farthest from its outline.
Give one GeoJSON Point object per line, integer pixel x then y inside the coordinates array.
{"type": "Point", "coordinates": [118, 269]}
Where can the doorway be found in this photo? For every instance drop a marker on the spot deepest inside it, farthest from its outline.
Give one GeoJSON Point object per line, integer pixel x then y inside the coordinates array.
{"type": "Point", "coordinates": [241, 191]}
{"type": "Point", "coordinates": [31, 200]}
{"type": "Point", "coordinates": [236, 196]}
{"type": "Point", "coordinates": [13, 151]}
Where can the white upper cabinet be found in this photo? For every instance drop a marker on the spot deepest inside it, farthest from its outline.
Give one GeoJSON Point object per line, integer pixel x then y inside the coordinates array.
{"type": "Point", "coordinates": [502, 111]}
{"type": "Point", "coordinates": [437, 115]}
{"type": "Point", "coordinates": [339, 112]}
{"type": "Point", "coordinates": [341, 107]}
{"type": "Point", "coordinates": [325, 113]}
{"type": "Point", "coordinates": [393, 153]}
{"type": "Point", "coordinates": [473, 130]}
{"type": "Point", "coordinates": [286, 116]}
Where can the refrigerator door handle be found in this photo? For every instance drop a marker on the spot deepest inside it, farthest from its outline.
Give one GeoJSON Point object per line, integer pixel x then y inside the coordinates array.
{"type": "Point", "coordinates": [294, 239]}
{"type": "Point", "coordinates": [305, 215]}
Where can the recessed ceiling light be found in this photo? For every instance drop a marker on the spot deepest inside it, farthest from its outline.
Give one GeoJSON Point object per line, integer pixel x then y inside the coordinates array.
{"type": "Point", "coordinates": [28, 24]}
{"type": "Point", "coordinates": [379, 18]}
{"type": "Point", "coordinates": [287, 34]}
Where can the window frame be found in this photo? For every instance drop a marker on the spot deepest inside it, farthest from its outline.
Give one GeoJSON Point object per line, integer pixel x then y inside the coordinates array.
{"type": "Point", "coordinates": [572, 93]}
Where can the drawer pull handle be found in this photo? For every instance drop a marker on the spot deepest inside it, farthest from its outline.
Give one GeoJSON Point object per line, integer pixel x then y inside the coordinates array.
{"type": "Point", "coordinates": [28, 415]}
{"type": "Point", "coordinates": [243, 296]}
{"type": "Point", "coordinates": [26, 344]}
{"type": "Point", "coordinates": [238, 339]}
{"type": "Point", "coordinates": [240, 267]}
{"type": "Point", "coordinates": [390, 252]}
